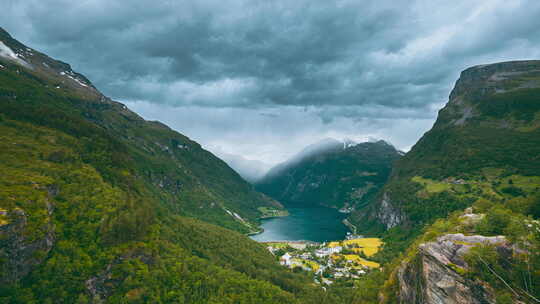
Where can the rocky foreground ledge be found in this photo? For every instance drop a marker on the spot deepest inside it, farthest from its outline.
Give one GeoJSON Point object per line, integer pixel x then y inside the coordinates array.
{"type": "Point", "coordinates": [435, 275]}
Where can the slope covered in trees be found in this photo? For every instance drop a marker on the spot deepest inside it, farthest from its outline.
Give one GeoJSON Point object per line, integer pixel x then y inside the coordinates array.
{"type": "Point", "coordinates": [97, 204]}
{"type": "Point", "coordinates": [332, 174]}
{"type": "Point", "coordinates": [483, 152]}
{"type": "Point", "coordinates": [484, 144]}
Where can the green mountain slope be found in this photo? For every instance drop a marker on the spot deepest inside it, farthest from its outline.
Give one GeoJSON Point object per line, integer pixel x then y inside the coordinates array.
{"type": "Point", "coordinates": [332, 174]}
{"type": "Point", "coordinates": [188, 179]}
{"type": "Point", "coordinates": [98, 205]}
{"type": "Point", "coordinates": [484, 144]}
{"type": "Point", "coordinates": [461, 210]}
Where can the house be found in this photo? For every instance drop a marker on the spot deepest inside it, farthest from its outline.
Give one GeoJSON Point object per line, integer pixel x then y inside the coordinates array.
{"type": "Point", "coordinates": [285, 259]}
{"type": "Point", "coordinates": [328, 251]}
{"type": "Point", "coordinates": [353, 236]}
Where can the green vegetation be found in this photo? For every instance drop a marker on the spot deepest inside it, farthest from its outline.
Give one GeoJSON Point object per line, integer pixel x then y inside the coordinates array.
{"type": "Point", "coordinates": [491, 161]}
{"type": "Point", "coordinates": [120, 145]}
{"type": "Point", "coordinates": [95, 224]}
{"type": "Point", "coordinates": [336, 176]}
{"type": "Point", "coordinates": [97, 203]}
{"type": "Point", "coordinates": [272, 212]}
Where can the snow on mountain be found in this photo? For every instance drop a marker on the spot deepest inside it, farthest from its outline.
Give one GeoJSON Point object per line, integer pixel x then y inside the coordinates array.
{"type": "Point", "coordinates": [9, 54]}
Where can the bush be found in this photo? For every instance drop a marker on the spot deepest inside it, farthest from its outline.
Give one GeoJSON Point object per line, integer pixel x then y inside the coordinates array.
{"type": "Point", "coordinates": [495, 221]}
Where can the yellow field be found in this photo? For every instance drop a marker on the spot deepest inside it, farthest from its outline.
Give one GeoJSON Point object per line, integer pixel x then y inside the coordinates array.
{"type": "Point", "coordinates": [361, 261]}
{"type": "Point", "coordinates": [311, 264]}
{"type": "Point", "coordinates": [3, 217]}
{"type": "Point", "coordinates": [365, 242]}
{"type": "Point", "coordinates": [369, 246]}
{"type": "Point", "coordinates": [368, 251]}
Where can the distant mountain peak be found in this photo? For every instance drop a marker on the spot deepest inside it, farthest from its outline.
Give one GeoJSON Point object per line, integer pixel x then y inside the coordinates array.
{"type": "Point", "coordinates": [342, 174]}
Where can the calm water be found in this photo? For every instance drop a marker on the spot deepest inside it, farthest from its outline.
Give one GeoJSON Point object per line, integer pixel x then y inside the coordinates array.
{"type": "Point", "coordinates": [311, 224]}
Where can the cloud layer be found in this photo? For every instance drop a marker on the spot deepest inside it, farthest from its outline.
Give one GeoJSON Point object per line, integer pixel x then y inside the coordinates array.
{"type": "Point", "coordinates": [281, 74]}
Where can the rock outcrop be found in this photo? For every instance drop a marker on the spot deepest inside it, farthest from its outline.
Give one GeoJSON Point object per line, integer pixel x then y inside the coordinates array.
{"type": "Point", "coordinates": [389, 215]}
{"type": "Point", "coordinates": [101, 286]}
{"type": "Point", "coordinates": [18, 254]}
{"type": "Point", "coordinates": [434, 275]}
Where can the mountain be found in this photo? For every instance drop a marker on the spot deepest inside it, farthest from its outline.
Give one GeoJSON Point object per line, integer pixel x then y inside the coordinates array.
{"type": "Point", "coordinates": [461, 210]}
{"type": "Point", "coordinates": [485, 143]}
{"type": "Point", "coordinates": [189, 179]}
{"type": "Point", "coordinates": [98, 205]}
{"type": "Point", "coordinates": [332, 173]}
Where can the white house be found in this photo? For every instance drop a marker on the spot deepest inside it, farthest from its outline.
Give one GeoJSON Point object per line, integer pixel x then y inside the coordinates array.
{"type": "Point", "coordinates": [328, 251]}
{"type": "Point", "coordinates": [285, 259]}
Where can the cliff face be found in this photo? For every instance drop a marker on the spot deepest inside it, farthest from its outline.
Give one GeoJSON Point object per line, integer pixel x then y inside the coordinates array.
{"type": "Point", "coordinates": [435, 274]}
{"type": "Point", "coordinates": [489, 128]}
{"type": "Point", "coordinates": [20, 254]}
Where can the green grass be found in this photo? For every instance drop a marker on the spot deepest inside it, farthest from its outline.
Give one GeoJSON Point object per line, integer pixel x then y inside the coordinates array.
{"type": "Point", "coordinates": [272, 212]}
{"type": "Point", "coordinates": [431, 186]}
{"type": "Point", "coordinates": [99, 177]}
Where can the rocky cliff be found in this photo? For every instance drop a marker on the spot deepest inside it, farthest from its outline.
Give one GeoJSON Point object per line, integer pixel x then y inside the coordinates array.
{"type": "Point", "coordinates": [436, 273]}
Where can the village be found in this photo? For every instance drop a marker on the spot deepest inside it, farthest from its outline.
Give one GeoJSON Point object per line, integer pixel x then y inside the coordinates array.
{"type": "Point", "coordinates": [329, 261]}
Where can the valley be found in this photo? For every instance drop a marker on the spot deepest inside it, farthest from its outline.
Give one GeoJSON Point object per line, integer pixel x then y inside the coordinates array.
{"type": "Point", "coordinates": [98, 205]}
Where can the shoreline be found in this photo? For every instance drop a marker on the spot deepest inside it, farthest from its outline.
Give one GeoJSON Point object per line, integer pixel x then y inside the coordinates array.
{"type": "Point", "coordinates": [255, 232]}
{"type": "Point", "coordinates": [349, 225]}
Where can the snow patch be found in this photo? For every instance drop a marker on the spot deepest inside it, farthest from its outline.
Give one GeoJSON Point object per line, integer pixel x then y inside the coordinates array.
{"type": "Point", "coordinates": [77, 81]}
{"type": "Point", "coordinates": [69, 73]}
{"type": "Point", "coordinates": [8, 53]}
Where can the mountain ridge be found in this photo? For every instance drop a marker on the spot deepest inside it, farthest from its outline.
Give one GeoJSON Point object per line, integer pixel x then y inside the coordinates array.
{"type": "Point", "coordinates": [117, 119]}
{"type": "Point", "coordinates": [98, 205]}
{"type": "Point", "coordinates": [331, 173]}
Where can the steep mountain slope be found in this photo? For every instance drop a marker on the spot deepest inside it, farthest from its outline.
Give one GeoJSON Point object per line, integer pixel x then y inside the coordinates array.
{"type": "Point", "coordinates": [189, 179]}
{"type": "Point", "coordinates": [484, 144]}
{"type": "Point", "coordinates": [461, 210]}
{"type": "Point", "coordinates": [98, 205]}
{"type": "Point", "coordinates": [333, 174]}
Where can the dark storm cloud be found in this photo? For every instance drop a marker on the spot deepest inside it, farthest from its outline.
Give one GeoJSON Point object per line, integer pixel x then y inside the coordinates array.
{"type": "Point", "coordinates": [345, 68]}
{"type": "Point", "coordinates": [258, 52]}
{"type": "Point", "coordinates": [270, 53]}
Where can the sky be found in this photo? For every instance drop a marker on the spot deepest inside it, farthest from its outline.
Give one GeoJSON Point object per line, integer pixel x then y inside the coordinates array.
{"type": "Point", "coordinates": [258, 80]}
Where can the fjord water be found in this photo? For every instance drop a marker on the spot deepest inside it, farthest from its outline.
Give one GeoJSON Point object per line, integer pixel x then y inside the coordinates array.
{"type": "Point", "coordinates": [316, 224]}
